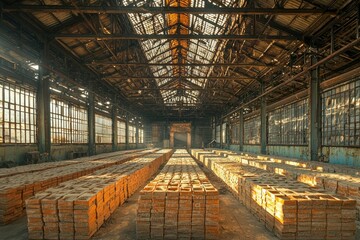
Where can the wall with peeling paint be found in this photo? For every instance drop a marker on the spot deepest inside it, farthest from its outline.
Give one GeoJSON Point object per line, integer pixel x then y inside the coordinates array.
{"type": "Point", "coordinates": [300, 152]}
{"type": "Point", "coordinates": [252, 148]}
{"type": "Point", "coordinates": [342, 155]}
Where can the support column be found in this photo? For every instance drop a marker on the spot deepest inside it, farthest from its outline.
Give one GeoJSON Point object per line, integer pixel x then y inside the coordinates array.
{"type": "Point", "coordinates": [241, 130]}
{"type": "Point", "coordinates": [137, 134]}
{"type": "Point", "coordinates": [43, 107]}
{"type": "Point", "coordinates": [263, 125]}
{"type": "Point", "coordinates": [228, 132]}
{"type": "Point", "coordinates": [114, 141]}
{"type": "Point", "coordinates": [127, 131]}
{"type": "Point", "coordinates": [91, 124]}
{"type": "Point", "coordinates": [221, 128]}
{"type": "Point", "coordinates": [314, 112]}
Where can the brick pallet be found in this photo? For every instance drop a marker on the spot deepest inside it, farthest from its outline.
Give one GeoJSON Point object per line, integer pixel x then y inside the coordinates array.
{"type": "Point", "coordinates": [291, 209]}
{"type": "Point", "coordinates": [76, 209]}
{"type": "Point", "coordinates": [180, 203]}
{"type": "Point", "coordinates": [6, 172]}
{"type": "Point", "coordinates": [340, 183]}
{"type": "Point", "coordinates": [14, 190]}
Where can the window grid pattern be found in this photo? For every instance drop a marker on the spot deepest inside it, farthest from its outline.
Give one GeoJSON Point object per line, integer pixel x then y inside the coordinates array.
{"type": "Point", "coordinates": [132, 134]}
{"type": "Point", "coordinates": [252, 130]}
{"type": "Point", "coordinates": [18, 114]}
{"type": "Point", "coordinates": [68, 123]}
{"type": "Point", "coordinates": [235, 127]}
{"type": "Point", "coordinates": [103, 129]}
{"type": "Point", "coordinates": [341, 115]}
{"type": "Point", "coordinates": [288, 125]}
{"type": "Point", "coordinates": [217, 133]}
{"type": "Point", "coordinates": [141, 135]}
{"type": "Point", "coordinates": [223, 133]}
{"type": "Point", "coordinates": [121, 131]}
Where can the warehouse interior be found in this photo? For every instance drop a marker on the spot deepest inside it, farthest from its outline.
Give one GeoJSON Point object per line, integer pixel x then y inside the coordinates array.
{"type": "Point", "coordinates": [258, 92]}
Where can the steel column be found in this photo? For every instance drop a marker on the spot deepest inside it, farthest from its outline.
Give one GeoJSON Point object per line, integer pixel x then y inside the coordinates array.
{"type": "Point", "coordinates": [314, 112]}
{"type": "Point", "coordinates": [91, 124]}
{"type": "Point", "coordinates": [221, 137]}
{"type": "Point", "coordinates": [241, 130]}
{"type": "Point", "coordinates": [127, 131]}
{"type": "Point", "coordinates": [137, 134]}
{"type": "Point", "coordinates": [263, 125]}
{"type": "Point", "coordinates": [43, 107]}
{"type": "Point", "coordinates": [114, 139]}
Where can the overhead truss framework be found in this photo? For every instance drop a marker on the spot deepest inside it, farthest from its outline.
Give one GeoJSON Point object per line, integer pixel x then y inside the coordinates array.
{"type": "Point", "coordinates": [192, 56]}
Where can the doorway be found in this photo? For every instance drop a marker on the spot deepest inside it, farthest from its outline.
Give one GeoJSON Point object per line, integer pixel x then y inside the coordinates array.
{"type": "Point", "coordinates": [180, 140]}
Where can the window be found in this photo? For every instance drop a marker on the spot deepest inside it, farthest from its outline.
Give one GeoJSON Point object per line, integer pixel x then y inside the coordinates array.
{"type": "Point", "coordinates": [217, 133]}
{"type": "Point", "coordinates": [341, 115]}
{"type": "Point", "coordinates": [289, 124]}
{"type": "Point", "coordinates": [235, 127]}
{"type": "Point", "coordinates": [17, 114]}
{"type": "Point", "coordinates": [121, 131]}
{"type": "Point", "coordinates": [252, 130]}
{"type": "Point", "coordinates": [141, 135]}
{"type": "Point", "coordinates": [68, 122]}
{"type": "Point", "coordinates": [103, 129]}
{"type": "Point", "coordinates": [132, 134]}
{"type": "Point", "coordinates": [223, 133]}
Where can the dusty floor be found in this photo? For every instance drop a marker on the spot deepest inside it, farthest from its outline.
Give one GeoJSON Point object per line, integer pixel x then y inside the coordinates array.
{"type": "Point", "coordinates": [236, 221]}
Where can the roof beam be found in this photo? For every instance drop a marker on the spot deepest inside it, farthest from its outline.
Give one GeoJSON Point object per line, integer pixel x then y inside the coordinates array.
{"type": "Point", "coordinates": [96, 37]}
{"type": "Point", "coordinates": [180, 64]}
{"type": "Point", "coordinates": [167, 10]}
{"type": "Point", "coordinates": [232, 78]}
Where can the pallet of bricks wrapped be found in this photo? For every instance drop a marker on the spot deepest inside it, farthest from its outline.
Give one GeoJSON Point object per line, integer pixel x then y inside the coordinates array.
{"type": "Point", "coordinates": [14, 190]}
{"type": "Point", "coordinates": [292, 210]}
{"type": "Point", "coordinates": [6, 172]}
{"type": "Point", "coordinates": [180, 203]}
{"type": "Point", "coordinates": [76, 209]}
{"type": "Point", "coordinates": [343, 184]}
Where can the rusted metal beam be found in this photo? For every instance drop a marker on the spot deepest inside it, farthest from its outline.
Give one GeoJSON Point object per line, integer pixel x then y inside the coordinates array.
{"type": "Point", "coordinates": [179, 64]}
{"type": "Point", "coordinates": [167, 10]}
{"type": "Point", "coordinates": [97, 37]}
{"type": "Point", "coordinates": [226, 78]}
{"type": "Point", "coordinates": [296, 76]}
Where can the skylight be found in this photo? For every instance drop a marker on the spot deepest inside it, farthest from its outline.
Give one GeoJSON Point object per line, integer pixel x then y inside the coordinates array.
{"type": "Point", "coordinates": [180, 51]}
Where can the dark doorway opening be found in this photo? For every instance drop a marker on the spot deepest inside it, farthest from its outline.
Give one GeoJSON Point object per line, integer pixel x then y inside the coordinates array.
{"type": "Point", "coordinates": [180, 140]}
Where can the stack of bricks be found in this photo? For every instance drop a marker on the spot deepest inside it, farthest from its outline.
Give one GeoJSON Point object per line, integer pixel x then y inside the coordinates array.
{"type": "Point", "coordinates": [180, 203]}
{"type": "Point", "coordinates": [14, 190]}
{"type": "Point", "coordinates": [346, 185]}
{"type": "Point", "coordinates": [76, 209]}
{"type": "Point", "coordinates": [6, 172]}
{"type": "Point", "coordinates": [292, 210]}
{"type": "Point", "coordinates": [342, 180]}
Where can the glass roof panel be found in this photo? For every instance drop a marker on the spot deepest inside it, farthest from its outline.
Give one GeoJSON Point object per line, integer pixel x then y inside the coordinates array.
{"type": "Point", "coordinates": [171, 51]}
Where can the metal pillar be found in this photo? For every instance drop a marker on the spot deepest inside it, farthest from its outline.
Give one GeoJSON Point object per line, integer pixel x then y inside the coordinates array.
{"type": "Point", "coordinates": [127, 131]}
{"type": "Point", "coordinates": [221, 129]}
{"type": "Point", "coordinates": [43, 107]}
{"type": "Point", "coordinates": [91, 124]}
{"type": "Point", "coordinates": [137, 134]}
{"type": "Point", "coordinates": [114, 139]}
{"type": "Point", "coordinates": [228, 132]}
{"type": "Point", "coordinates": [241, 130]}
{"type": "Point", "coordinates": [314, 112]}
{"type": "Point", "coordinates": [263, 125]}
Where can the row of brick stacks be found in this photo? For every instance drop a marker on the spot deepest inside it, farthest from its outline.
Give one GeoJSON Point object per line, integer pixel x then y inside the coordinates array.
{"type": "Point", "coordinates": [76, 209]}
{"type": "Point", "coordinates": [180, 203]}
{"type": "Point", "coordinates": [14, 190]}
{"type": "Point", "coordinates": [332, 178]}
{"type": "Point", "coordinates": [291, 209]}
{"type": "Point", "coordinates": [6, 172]}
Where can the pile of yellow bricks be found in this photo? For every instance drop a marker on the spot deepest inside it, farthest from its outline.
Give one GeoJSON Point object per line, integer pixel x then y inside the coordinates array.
{"type": "Point", "coordinates": [77, 209]}
{"type": "Point", "coordinates": [15, 189]}
{"type": "Point", "coordinates": [335, 179]}
{"type": "Point", "coordinates": [291, 209]}
{"type": "Point", "coordinates": [180, 203]}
